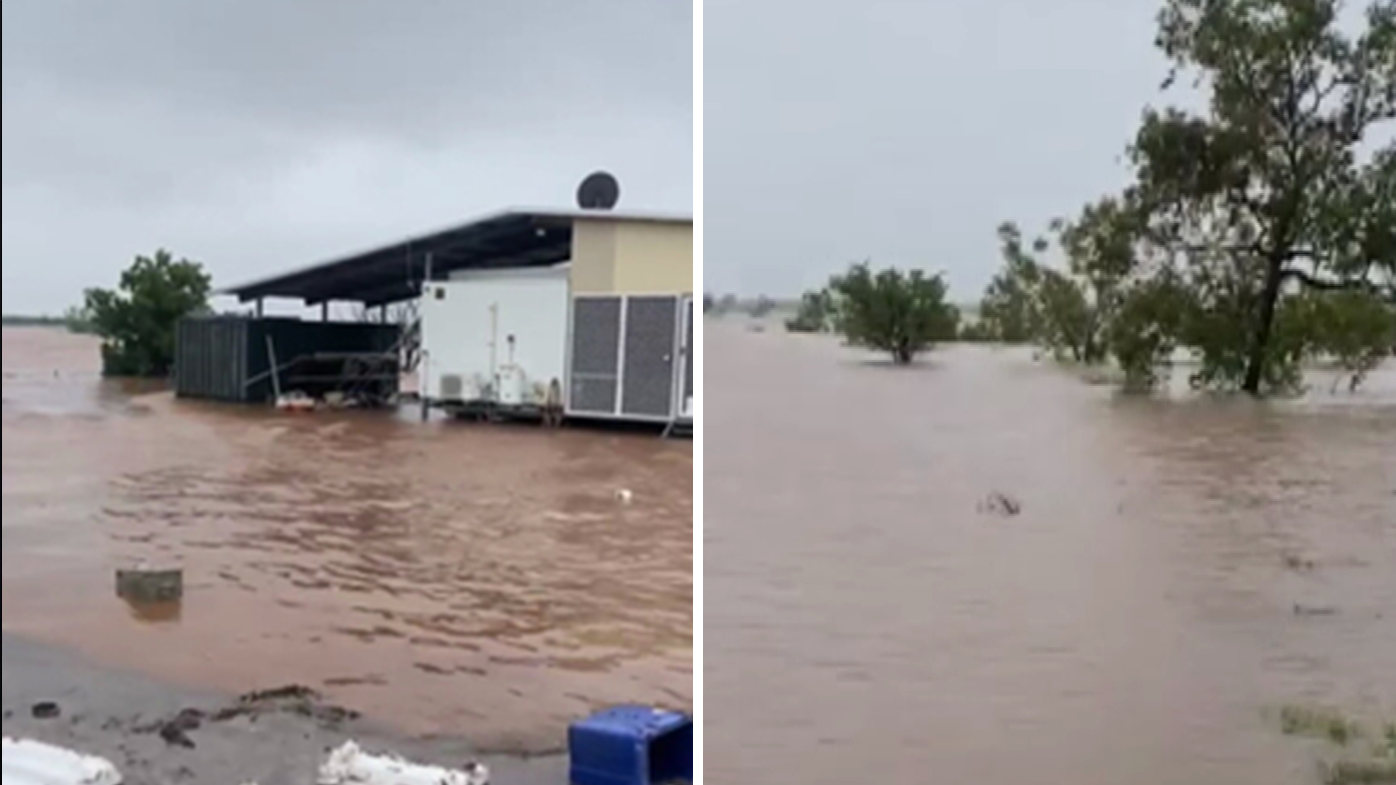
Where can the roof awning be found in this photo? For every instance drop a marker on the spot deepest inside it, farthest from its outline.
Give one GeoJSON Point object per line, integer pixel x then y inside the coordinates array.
{"type": "Point", "coordinates": [392, 273]}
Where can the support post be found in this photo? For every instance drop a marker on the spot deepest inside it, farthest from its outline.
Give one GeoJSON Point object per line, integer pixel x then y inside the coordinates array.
{"type": "Point", "coordinates": [325, 311]}
{"type": "Point", "coordinates": [260, 307]}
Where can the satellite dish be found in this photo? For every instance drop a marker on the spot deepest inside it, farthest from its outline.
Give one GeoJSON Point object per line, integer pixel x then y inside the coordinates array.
{"type": "Point", "coordinates": [599, 191]}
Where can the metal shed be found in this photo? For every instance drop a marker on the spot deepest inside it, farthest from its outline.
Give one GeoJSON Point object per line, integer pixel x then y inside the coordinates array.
{"type": "Point", "coordinates": [625, 317]}
{"type": "Point", "coordinates": [244, 360]}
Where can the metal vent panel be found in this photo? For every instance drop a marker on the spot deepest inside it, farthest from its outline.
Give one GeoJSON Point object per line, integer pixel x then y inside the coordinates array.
{"type": "Point", "coordinates": [595, 373]}
{"type": "Point", "coordinates": [651, 356]}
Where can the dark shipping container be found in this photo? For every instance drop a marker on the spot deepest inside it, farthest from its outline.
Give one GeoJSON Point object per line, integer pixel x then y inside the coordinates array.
{"type": "Point", "coordinates": [229, 358]}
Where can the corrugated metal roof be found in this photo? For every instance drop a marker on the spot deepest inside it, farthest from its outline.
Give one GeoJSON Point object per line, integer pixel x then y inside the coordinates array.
{"type": "Point", "coordinates": [519, 237]}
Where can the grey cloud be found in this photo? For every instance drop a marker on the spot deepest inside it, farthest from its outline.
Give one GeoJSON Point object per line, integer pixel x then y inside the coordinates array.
{"type": "Point", "coordinates": [906, 131]}
{"type": "Point", "coordinates": [256, 134]}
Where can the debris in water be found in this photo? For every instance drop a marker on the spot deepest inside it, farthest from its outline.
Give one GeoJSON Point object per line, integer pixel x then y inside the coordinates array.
{"type": "Point", "coordinates": [176, 731]}
{"type": "Point", "coordinates": [350, 765]}
{"type": "Point", "coordinates": [1299, 564]}
{"type": "Point", "coordinates": [147, 586]}
{"type": "Point", "coordinates": [47, 710]}
{"type": "Point", "coordinates": [625, 496]}
{"type": "Point", "coordinates": [1309, 610]}
{"type": "Point", "coordinates": [294, 699]}
{"type": "Point", "coordinates": [1000, 504]}
{"type": "Point", "coordinates": [31, 763]}
{"type": "Point", "coordinates": [295, 401]}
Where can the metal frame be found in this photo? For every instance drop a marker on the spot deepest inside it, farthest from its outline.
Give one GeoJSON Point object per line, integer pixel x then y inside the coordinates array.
{"type": "Point", "coordinates": [683, 411]}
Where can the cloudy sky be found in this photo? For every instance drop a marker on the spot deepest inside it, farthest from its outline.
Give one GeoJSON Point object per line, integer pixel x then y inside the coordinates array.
{"type": "Point", "coordinates": [258, 134]}
{"type": "Point", "coordinates": [907, 130]}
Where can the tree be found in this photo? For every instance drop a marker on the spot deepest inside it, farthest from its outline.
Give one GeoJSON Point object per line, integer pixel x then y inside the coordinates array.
{"type": "Point", "coordinates": [78, 321]}
{"type": "Point", "coordinates": [137, 321]}
{"type": "Point", "coordinates": [708, 302]}
{"type": "Point", "coordinates": [900, 313]}
{"type": "Point", "coordinates": [1268, 194]}
{"type": "Point", "coordinates": [1066, 311]}
{"type": "Point", "coordinates": [1355, 330]}
{"type": "Point", "coordinates": [816, 314]}
{"type": "Point", "coordinates": [1009, 310]}
{"type": "Point", "coordinates": [762, 307]}
{"type": "Point", "coordinates": [1241, 215]}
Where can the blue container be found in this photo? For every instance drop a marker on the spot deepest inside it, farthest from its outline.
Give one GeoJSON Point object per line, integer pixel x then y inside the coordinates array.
{"type": "Point", "coordinates": [631, 745]}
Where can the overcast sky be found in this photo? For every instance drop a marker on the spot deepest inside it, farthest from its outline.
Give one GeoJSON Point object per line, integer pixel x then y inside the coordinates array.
{"type": "Point", "coordinates": [907, 130]}
{"type": "Point", "coordinates": [254, 135]}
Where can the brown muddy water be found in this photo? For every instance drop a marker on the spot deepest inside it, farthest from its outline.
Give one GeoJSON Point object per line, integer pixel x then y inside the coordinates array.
{"type": "Point", "coordinates": [453, 579]}
{"type": "Point", "coordinates": [867, 621]}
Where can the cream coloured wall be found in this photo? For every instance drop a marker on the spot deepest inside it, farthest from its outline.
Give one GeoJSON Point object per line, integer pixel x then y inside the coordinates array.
{"type": "Point", "coordinates": [632, 257]}
{"type": "Point", "coordinates": [593, 257]}
{"type": "Point", "coordinates": [654, 258]}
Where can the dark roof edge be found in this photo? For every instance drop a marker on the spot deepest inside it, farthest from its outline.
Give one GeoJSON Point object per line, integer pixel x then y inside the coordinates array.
{"type": "Point", "coordinates": [573, 214]}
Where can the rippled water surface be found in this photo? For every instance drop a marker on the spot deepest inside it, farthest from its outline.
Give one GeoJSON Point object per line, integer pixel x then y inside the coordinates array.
{"type": "Point", "coordinates": [869, 620]}
{"type": "Point", "coordinates": [477, 581]}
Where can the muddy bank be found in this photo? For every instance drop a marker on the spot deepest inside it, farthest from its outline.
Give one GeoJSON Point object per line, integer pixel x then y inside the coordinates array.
{"type": "Point", "coordinates": [114, 713]}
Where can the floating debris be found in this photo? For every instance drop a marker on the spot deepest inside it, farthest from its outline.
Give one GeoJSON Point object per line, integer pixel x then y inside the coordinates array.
{"type": "Point", "coordinates": [1299, 564]}
{"type": "Point", "coordinates": [32, 763]}
{"type": "Point", "coordinates": [176, 731]}
{"type": "Point", "coordinates": [47, 710]}
{"type": "Point", "coordinates": [625, 496]}
{"type": "Point", "coordinates": [146, 586]}
{"type": "Point", "coordinates": [296, 401]}
{"type": "Point", "coordinates": [1314, 610]}
{"type": "Point", "coordinates": [350, 765]}
{"type": "Point", "coordinates": [294, 699]}
{"type": "Point", "coordinates": [1000, 504]}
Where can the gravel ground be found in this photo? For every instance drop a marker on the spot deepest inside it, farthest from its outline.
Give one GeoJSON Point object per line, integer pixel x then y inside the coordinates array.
{"type": "Point", "coordinates": [118, 715]}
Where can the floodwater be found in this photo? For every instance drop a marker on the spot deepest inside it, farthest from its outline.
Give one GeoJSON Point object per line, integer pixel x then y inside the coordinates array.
{"type": "Point", "coordinates": [869, 620]}
{"type": "Point", "coordinates": [476, 581]}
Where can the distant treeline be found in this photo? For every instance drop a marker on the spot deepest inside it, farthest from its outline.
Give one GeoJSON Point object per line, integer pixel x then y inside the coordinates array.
{"type": "Point", "coordinates": [74, 321]}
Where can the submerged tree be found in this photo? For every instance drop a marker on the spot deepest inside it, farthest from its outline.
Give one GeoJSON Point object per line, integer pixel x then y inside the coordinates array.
{"type": "Point", "coordinates": [761, 307]}
{"type": "Point", "coordinates": [901, 313]}
{"type": "Point", "coordinates": [817, 313]}
{"type": "Point", "coordinates": [1282, 189]}
{"type": "Point", "coordinates": [137, 320]}
{"type": "Point", "coordinates": [1066, 309]}
{"type": "Point", "coordinates": [1009, 312]}
{"type": "Point", "coordinates": [1356, 331]}
{"type": "Point", "coordinates": [1268, 194]}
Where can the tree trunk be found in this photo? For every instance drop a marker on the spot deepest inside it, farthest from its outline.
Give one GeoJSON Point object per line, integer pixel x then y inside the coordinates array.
{"type": "Point", "coordinates": [1260, 342]}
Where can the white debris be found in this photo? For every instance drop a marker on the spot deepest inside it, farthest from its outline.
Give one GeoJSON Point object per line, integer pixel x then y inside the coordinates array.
{"type": "Point", "coordinates": [350, 765]}
{"type": "Point", "coordinates": [625, 496]}
{"type": "Point", "coordinates": [31, 763]}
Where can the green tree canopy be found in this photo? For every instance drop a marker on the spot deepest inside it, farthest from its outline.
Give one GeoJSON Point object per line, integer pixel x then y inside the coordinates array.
{"type": "Point", "coordinates": [817, 313]}
{"type": "Point", "coordinates": [1283, 188]}
{"type": "Point", "coordinates": [901, 313]}
{"type": "Point", "coordinates": [1271, 191]}
{"type": "Point", "coordinates": [137, 320]}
